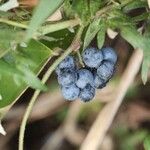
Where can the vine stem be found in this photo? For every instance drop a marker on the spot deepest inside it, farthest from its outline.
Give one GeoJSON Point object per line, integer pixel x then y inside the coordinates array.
{"type": "Point", "coordinates": [80, 59]}
{"type": "Point", "coordinates": [58, 26]}
{"type": "Point", "coordinates": [110, 7]}
{"type": "Point", "coordinates": [45, 29]}
{"type": "Point", "coordinates": [13, 23]}
{"type": "Point", "coordinates": [74, 46]}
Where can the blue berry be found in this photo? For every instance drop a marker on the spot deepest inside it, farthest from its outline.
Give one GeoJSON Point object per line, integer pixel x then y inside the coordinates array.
{"type": "Point", "coordinates": [98, 82]}
{"type": "Point", "coordinates": [84, 77]}
{"type": "Point", "coordinates": [109, 54]}
{"type": "Point", "coordinates": [87, 93]}
{"type": "Point", "coordinates": [92, 57]}
{"type": "Point", "coordinates": [106, 70]}
{"type": "Point", "coordinates": [68, 62]}
{"type": "Point", "coordinates": [70, 92]}
{"type": "Point", "coordinates": [67, 77]}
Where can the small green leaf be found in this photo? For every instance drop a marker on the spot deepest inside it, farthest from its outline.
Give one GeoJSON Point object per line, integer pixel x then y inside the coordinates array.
{"type": "Point", "coordinates": [141, 42]}
{"type": "Point", "coordinates": [141, 17]}
{"type": "Point", "coordinates": [92, 30]}
{"type": "Point", "coordinates": [81, 8]}
{"type": "Point", "coordinates": [44, 9]}
{"type": "Point", "coordinates": [119, 19]}
{"type": "Point", "coordinates": [101, 36]}
{"type": "Point", "coordinates": [147, 143]}
{"type": "Point", "coordinates": [16, 78]}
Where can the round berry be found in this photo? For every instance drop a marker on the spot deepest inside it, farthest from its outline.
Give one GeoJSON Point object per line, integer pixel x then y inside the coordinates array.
{"type": "Point", "coordinates": [98, 82]}
{"type": "Point", "coordinates": [68, 62]}
{"type": "Point", "coordinates": [87, 93]}
{"type": "Point", "coordinates": [109, 54]}
{"type": "Point", "coordinates": [105, 71]}
{"type": "Point", "coordinates": [67, 77]}
{"type": "Point", "coordinates": [70, 92]}
{"type": "Point", "coordinates": [92, 57]}
{"type": "Point", "coordinates": [84, 77]}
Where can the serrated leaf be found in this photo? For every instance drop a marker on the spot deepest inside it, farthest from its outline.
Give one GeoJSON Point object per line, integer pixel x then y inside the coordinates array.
{"type": "Point", "coordinates": [141, 42]}
{"type": "Point", "coordinates": [119, 19]}
{"type": "Point", "coordinates": [9, 89]}
{"type": "Point", "coordinates": [101, 35]}
{"type": "Point", "coordinates": [44, 9]}
{"type": "Point", "coordinates": [92, 30]}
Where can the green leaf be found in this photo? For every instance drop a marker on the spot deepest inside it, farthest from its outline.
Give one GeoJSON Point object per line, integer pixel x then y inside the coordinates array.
{"type": "Point", "coordinates": [141, 42]}
{"type": "Point", "coordinates": [95, 5]}
{"type": "Point", "coordinates": [44, 9]}
{"type": "Point", "coordinates": [134, 5]}
{"type": "Point", "coordinates": [141, 17]}
{"type": "Point", "coordinates": [30, 79]}
{"type": "Point", "coordinates": [118, 19]}
{"type": "Point", "coordinates": [85, 9]}
{"type": "Point", "coordinates": [15, 78]}
{"type": "Point", "coordinates": [92, 30]}
{"type": "Point", "coordinates": [101, 35]}
{"type": "Point", "coordinates": [147, 143]}
{"type": "Point", "coordinates": [63, 39]}
{"type": "Point", "coordinates": [4, 14]}
{"type": "Point", "coordinates": [81, 8]}
{"type": "Point", "coordinates": [8, 39]}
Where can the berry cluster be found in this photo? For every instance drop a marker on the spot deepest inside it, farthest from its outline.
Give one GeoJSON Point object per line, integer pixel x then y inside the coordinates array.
{"type": "Point", "coordinates": [81, 83]}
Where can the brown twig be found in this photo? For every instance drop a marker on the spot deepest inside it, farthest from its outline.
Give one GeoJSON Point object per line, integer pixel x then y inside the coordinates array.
{"type": "Point", "coordinates": [49, 101]}
{"type": "Point", "coordinates": [54, 141]}
{"type": "Point", "coordinates": [98, 130]}
{"type": "Point", "coordinates": [71, 131]}
{"type": "Point", "coordinates": [67, 130]}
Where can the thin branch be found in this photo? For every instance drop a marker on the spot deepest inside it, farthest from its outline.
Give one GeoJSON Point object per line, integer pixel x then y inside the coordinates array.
{"type": "Point", "coordinates": [100, 127]}
{"type": "Point", "coordinates": [58, 26]}
{"type": "Point", "coordinates": [13, 23]}
{"type": "Point", "coordinates": [75, 45]}
{"type": "Point", "coordinates": [55, 140]}
{"type": "Point", "coordinates": [51, 102]}
{"type": "Point", "coordinates": [45, 29]}
{"type": "Point", "coordinates": [148, 3]}
{"type": "Point", "coordinates": [80, 59]}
